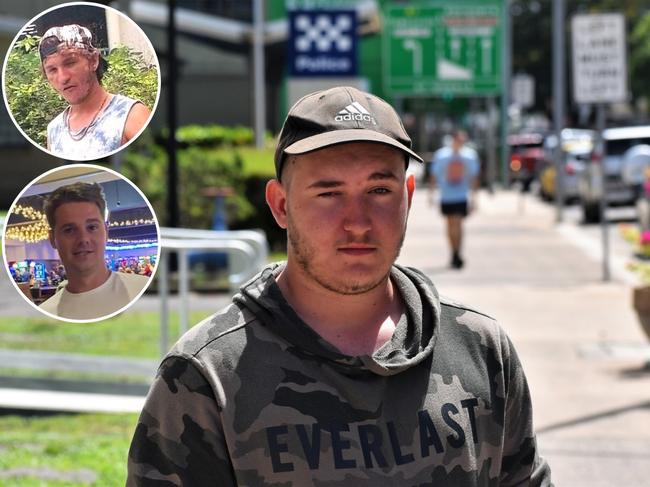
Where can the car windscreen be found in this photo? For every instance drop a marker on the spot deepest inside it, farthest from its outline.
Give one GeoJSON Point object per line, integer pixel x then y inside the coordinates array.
{"type": "Point", "coordinates": [618, 147]}
{"type": "Point", "coordinates": [521, 147]}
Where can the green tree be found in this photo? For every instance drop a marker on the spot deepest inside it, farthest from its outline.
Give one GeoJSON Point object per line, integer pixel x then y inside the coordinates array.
{"type": "Point", "coordinates": [640, 57]}
{"type": "Point", "coordinates": [129, 75]}
{"type": "Point", "coordinates": [32, 102]}
{"type": "Point", "coordinates": [200, 168]}
{"type": "Point", "coordinates": [532, 42]}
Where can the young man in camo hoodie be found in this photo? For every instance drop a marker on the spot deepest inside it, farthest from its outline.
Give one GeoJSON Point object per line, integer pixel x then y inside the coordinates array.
{"type": "Point", "coordinates": [338, 367]}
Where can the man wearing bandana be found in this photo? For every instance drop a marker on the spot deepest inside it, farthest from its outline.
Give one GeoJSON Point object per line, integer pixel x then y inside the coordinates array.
{"type": "Point", "coordinates": [96, 123]}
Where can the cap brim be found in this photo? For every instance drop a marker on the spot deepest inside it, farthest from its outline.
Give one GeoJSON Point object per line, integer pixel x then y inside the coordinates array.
{"type": "Point", "coordinates": [335, 137]}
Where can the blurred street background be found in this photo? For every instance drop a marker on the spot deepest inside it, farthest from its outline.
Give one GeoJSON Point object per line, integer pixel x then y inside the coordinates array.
{"type": "Point", "coordinates": [554, 96]}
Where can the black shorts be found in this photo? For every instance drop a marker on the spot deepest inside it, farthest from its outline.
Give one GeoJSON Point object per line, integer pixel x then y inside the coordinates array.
{"type": "Point", "coordinates": [454, 208]}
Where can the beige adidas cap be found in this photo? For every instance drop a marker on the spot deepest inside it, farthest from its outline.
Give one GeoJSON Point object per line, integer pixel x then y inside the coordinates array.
{"type": "Point", "coordinates": [336, 116]}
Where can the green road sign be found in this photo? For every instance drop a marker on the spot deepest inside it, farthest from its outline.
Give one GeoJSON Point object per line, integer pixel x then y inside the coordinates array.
{"type": "Point", "coordinates": [443, 48]}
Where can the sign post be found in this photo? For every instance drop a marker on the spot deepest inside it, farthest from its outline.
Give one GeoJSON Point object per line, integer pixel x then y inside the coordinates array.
{"type": "Point", "coordinates": [599, 77]}
{"type": "Point", "coordinates": [559, 103]}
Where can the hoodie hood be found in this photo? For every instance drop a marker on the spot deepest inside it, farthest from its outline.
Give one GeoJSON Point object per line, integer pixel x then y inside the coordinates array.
{"type": "Point", "coordinates": [412, 341]}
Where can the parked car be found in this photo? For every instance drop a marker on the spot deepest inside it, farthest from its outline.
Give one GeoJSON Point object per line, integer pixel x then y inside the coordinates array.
{"type": "Point", "coordinates": [609, 164]}
{"type": "Point", "coordinates": [526, 157]}
{"type": "Point", "coordinates": [577, 146]}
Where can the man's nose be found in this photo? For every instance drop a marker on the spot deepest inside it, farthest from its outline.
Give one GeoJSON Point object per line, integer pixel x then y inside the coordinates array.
{"type": "Point", "coordinates": [83, 236]}
{"type": "Point", "coordinates": [63, 76]}
{"type": "Point", "coordinates": [357, 216]}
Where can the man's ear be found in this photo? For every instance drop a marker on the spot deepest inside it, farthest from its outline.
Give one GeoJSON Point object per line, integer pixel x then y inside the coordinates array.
{"type": "Point", "coordinates": [410, 187]}
{"type": "Point", "coordinates": [50, 236]}
{"type": "Point", "coordinates": [94, 63]}
{"type": "Point", "coordinates": [276, 198]}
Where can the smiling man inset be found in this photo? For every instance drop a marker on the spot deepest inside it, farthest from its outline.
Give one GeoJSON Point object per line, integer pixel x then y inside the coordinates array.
{"type": "Point", "coordinates": [77, 217]}
{"type": "Point", "coordinates": [96, 122]}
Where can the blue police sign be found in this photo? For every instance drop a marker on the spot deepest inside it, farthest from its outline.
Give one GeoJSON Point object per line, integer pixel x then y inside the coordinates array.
{"type": "Point", "coordinates": [323, 43]}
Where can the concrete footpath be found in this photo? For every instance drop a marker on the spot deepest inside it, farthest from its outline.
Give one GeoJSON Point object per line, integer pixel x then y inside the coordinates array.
{"type": "Point", "coordinates": [578, 337]}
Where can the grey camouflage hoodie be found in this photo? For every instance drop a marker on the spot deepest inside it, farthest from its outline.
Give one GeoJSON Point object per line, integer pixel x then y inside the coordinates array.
{"type": "Point", "coordinates": [253, 396]}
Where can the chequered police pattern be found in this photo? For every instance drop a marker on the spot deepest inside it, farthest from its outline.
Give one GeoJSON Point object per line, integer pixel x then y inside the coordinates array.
{"type": "Point", "coordinates": [326, 31]}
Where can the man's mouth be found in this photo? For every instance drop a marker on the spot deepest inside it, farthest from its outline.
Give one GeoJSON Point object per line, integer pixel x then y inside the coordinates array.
{"type": "Point", "coordinates": [357, 250]}
{"type": "Point", "coordinates": [82, 253]}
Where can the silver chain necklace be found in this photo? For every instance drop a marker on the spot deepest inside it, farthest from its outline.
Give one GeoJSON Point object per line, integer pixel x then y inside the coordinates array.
{"type": "Point", "coordinates": [77, 136]}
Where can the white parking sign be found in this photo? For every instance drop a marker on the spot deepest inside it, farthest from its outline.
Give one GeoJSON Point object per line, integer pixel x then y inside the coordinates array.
{"type": "Point", "coordinates": [599, 58]}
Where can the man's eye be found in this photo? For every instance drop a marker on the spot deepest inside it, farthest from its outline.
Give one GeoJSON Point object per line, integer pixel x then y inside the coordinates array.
{"type": "Point", "coordinates": [328, 194]}
{"type": "Point", "coordinates": [381, 190]}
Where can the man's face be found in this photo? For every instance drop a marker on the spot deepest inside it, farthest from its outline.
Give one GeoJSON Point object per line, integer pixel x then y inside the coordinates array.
{"type": "Point", "coordinates": [346, 211]}
{"type": "Point", "coordinates": [460, 138]}
{"type": "Point", "coordinates": [71, 73]}
{"type": "Point", "coordinates": [80, 236]}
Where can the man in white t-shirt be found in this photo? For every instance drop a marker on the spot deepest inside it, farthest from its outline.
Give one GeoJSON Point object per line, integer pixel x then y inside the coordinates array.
{"type": "Point", "coordinates": [78, 221]}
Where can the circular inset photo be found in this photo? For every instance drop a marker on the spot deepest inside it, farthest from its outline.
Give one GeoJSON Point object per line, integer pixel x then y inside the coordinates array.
{"type": "Point", "coordinates": [81, 243]}
{"type": "Point", "coordinates": [81, 81]}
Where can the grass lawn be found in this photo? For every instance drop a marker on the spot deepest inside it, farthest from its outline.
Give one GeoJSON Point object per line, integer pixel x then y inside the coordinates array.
{"type": "Point", "coordinates": [131, 334]}
{"type": "Point", "coordinates": [83, 449]}
{"type": "Point", "coordinates": [65, 450]}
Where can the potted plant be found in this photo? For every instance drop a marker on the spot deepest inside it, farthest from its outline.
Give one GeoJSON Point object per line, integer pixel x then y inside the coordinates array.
{"type": "Point", "coordinates": [641, 303]}
{"type": "Point", "coordinates": [641, 266]}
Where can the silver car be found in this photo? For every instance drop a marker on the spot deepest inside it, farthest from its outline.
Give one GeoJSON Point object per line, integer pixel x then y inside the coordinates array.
{"type": "Point", "coordinates": [608, 164]}
{"type": "Point", "coordinates": [577, 147]}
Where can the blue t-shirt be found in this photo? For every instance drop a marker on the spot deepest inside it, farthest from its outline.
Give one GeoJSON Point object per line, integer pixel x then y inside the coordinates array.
{"type": "Point", "coordinates": [454, 172]}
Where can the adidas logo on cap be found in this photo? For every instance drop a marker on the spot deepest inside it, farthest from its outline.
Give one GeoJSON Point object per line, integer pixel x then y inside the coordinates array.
{"type": "Point", "coordinates": [355, 112]}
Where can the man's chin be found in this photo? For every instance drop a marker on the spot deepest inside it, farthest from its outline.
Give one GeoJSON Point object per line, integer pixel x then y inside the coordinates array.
{"type": "Point", "coordinates": [71, 96]}
{"type": "Point", "coordinates": [69, 99]}
{"type": "Point", "coordinates": [90, 269]}
{"type": "Point", "coordinates": [352, 283]}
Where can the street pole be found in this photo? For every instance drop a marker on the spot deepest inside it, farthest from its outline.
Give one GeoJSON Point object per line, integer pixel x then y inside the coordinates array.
{"type": "Point", "coordinates": [172, 172]}
{"type": "Point", "coordinates": [558, 102]}
{"type": "Point", "coordinates": [490, 145]}
{"type": "Point", "coordinates": [172, 168]}
{"type": "Point", "coordinates": [259, 96]}
{"type": "Point", "coordinates": [506, 75]}
{"type": "Point", "coordinates": [604, 223]}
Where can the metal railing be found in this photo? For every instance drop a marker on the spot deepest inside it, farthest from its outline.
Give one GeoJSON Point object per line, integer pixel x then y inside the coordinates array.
{"type": "Point", "coordinates": [247, 252]}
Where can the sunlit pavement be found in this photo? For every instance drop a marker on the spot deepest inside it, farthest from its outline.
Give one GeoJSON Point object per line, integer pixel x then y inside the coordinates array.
{"type": "Point", "coordinates": [578, 337]}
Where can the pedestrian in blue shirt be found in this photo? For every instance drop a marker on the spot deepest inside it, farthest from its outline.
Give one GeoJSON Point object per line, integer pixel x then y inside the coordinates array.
{"type": "Point", "coordinates": [455, 170]}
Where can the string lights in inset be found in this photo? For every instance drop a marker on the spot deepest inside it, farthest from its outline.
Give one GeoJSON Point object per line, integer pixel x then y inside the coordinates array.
{"type": "Point", "coordinates": [31, 232]}
{"type": "Point", "coordinates": [38, 229]}
{"type": "Point", "coordinates": [129, 223]}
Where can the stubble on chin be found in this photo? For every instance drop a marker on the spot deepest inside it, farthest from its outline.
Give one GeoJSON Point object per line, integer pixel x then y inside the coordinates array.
{"type": "Point", "coordinates": [305, 256]}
